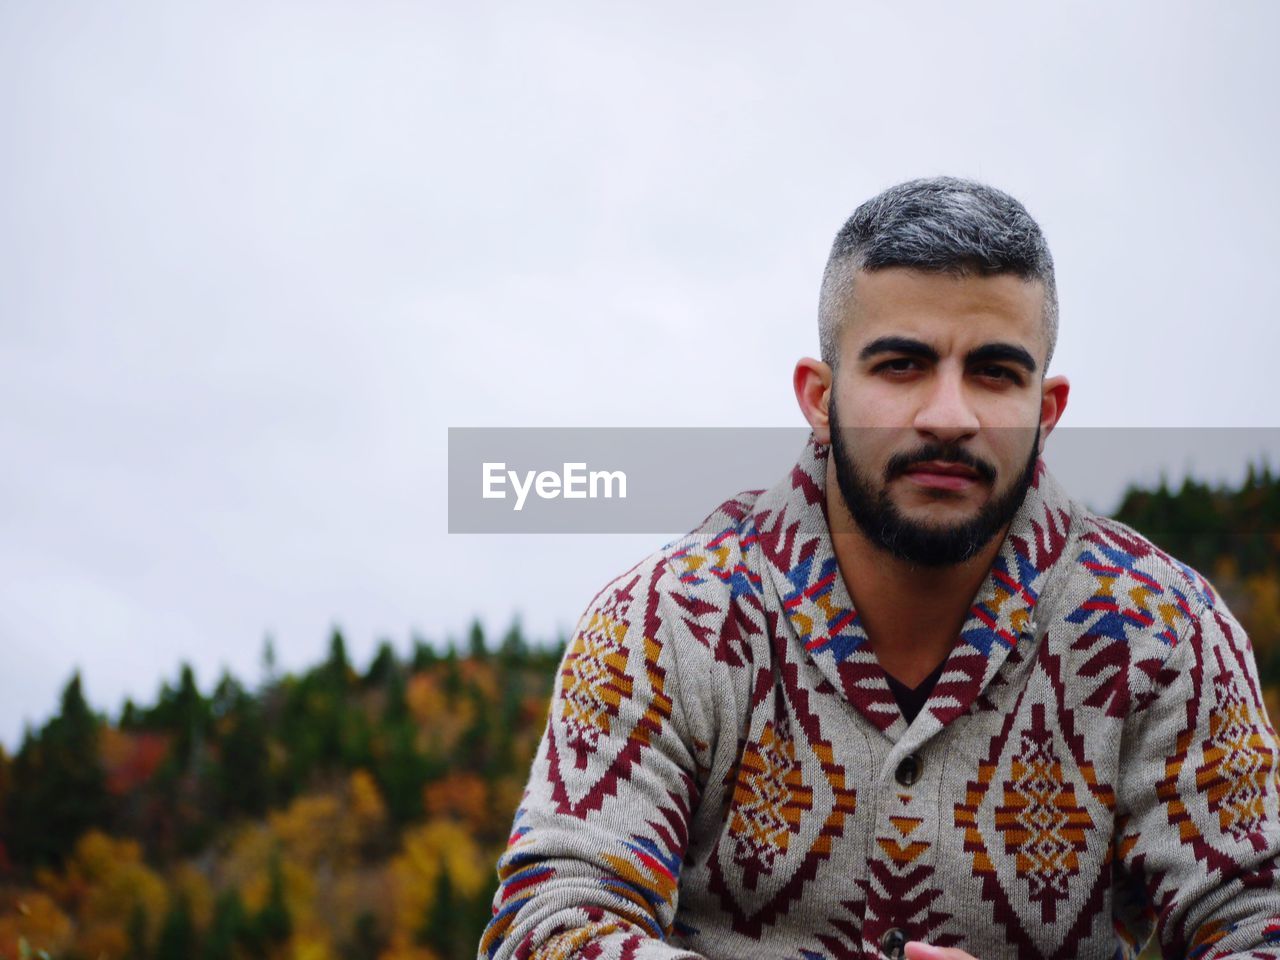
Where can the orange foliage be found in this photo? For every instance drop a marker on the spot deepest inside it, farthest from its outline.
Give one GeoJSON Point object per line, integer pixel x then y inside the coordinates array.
{"type": "Point", "coordinates": [463, 796]}
{"type": "Point", "coordinates": [478, 674]}
{"type": "Point", "coordinates": [440, 722]}
{"type": "Point", "coordinates": [35, 917]}
{"type": "Point", "coordinates": [131, 759]}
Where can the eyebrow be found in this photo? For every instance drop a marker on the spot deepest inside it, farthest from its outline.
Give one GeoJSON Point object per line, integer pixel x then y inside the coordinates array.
{"type": "Point", "coordinates": [1002, 352]}
{"type": "Point", "coordinates": [912, 348]}
{"type": "Point", "coordinates": [987, 353]}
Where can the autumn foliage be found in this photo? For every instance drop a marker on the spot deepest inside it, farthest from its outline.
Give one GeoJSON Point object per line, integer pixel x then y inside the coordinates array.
{"type": "Point", "coordinates": [328, 815]}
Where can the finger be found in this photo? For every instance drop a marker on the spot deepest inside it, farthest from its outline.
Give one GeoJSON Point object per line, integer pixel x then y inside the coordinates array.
{"type": "Point", "coordinates": [918, 950]}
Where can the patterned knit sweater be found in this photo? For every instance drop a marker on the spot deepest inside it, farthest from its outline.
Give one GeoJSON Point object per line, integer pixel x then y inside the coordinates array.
{"type": "Point", "coordinates": [726, 774]}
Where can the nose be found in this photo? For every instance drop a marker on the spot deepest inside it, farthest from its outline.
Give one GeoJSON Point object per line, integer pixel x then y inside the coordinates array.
{"type": "Point", "coordinates": [946, 413]}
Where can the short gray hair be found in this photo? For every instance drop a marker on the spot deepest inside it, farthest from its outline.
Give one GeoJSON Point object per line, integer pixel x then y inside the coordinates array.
{"type": "Point", "coordinates": [942, 224]}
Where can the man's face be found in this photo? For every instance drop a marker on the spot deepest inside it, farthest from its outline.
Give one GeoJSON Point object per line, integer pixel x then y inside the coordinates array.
{"type": "Point", "coordinates": [935, 408]}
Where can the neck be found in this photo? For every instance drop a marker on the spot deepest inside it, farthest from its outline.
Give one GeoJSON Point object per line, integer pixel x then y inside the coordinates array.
{"type": "Point", "coordinates": [912, 614]}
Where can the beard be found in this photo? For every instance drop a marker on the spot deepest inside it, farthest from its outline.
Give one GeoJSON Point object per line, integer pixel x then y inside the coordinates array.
{"type": "Point", "coordinates": [922, 543]}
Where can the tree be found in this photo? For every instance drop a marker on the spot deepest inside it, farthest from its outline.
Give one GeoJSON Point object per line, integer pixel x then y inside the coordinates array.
{"type": "Point", "coordinates": [177, 935]}
{"type": "Point", "coordinates": [273, 924]}
{"type": "Point", "coordinates": [424, 654]}
{"type": "Point", "coordinates": [384, 666]}
{"type": "Point", "coordinates": [189, 716]}
{"type": "Point", "coordinates": [228, 927]}
{"type": "Point", "coordinates": [337, 668]}
{"type": "Point", "coordinates": [59, 785]}
{"type": "Point", "coordinates": [513, 650]}
{"type": "Point", "coordinates": [476, 646]}
{"type": "Point", "coordinates": [268, 661]}
{"type": "Point", "coordinates": [139, 946]}
{"type": "Point", "coordinates": [243, 782]}
{"type": "Point", "coordinates": [366, 939]}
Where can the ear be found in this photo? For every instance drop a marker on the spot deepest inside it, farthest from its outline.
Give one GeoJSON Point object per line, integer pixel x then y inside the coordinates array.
{"type": "Point", "coordinates": [1053, 401]}
{"type": "Point", "coordinates": [812, 383]}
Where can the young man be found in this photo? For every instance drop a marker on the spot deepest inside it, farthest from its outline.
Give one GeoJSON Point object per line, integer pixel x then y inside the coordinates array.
{"type": "Point", "coordinates": [912, 701]}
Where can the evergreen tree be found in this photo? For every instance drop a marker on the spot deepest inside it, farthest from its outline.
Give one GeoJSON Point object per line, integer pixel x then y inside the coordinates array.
{"type": "Point", "coordinates": [476, 648]}
{"type": "Point", "coordinates": [384, 666]}
{"type": "Point", "coordinates": [139, 942]}
{"type": "Point", "coordinates": [439, 926]}
{"type": "Point", "coordinates": [424, 654]}
{"type": "Point", "coordinates": [401, 772]}
{"type": "Point", "coordinates": [268, 661]}
{"type": "Point", "coordinates": [59, 785]}
{"type": "Point", "coordinates": [337, 668]}
{"type": "Point", "coordinates": [177, 935]}
{"type": "Point", "coordinates": [366, 940]}
{"type": "Point", "coordinates": [243, 783]}
{"type": "Point", "coordinates": [189, 716]}
{"type": "Point", "coordinates": [396, 709]}
{"type": "Point", "coordinates": [273, 924]}
{"type": "Point", "coordinates": [452, 680]}
{"type": "Point", "coordinates": [228, 927]}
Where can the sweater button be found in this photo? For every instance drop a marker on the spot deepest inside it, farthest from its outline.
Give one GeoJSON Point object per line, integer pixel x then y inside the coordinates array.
{"type": "Point", "coordinates": [909, 770]}
{"type": "Point", "coordinates": [893, 944]}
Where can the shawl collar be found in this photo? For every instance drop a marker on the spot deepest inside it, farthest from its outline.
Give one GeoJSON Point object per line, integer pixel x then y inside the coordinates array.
{"type": "Point", "coordinates": [791, 524]}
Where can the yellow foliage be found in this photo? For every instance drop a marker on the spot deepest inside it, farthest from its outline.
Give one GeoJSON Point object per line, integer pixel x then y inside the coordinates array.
{"type": "Point", "coordinates": [507, 794]}
{"type": "Point", "coordinates": [481, 675]}
{"type": "Point", "coordinates": [318, 839]}
{"type": "Point", "coordinates": [426, 701]}
{"type": "Point", "coordinates": [248, 856]}
{"type": "Point", "coordinates": [189, 882]}
{"type": "Point", "coordinates": [366, 801]}
{"type": "Point", "coordinates": [315, 829]}
{"type": "Point", "coordinates": [35, 917]}
{"type": "Point", "coordinates": [104, 881]}
{"type": "Point", "coordinates": [299, 892]}
{"type": "Point", "coordinates": [403, 948]}
{"type": "Point", "coordinates": [427, 849]}
{"type": "Point", "coordinates": [440, 723]}
{"type": "Point", "coordinates": [309, 947]}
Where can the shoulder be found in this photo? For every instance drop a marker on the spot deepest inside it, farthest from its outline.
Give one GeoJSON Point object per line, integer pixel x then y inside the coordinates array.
{"type": "Point", "coordinates": [695, 574]}
{"type": "Point", "coordinates": [1133, 615]}
{"type": "Point", "coordinates": [1109, 547]}
{"type": "Point", "coordinates": [1124, 589]}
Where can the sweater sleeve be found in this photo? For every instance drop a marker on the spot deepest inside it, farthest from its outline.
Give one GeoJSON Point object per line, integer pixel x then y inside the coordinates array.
{"type": "Point", "coordinates": [592, 866]}
{"type": "Point", "coordinates": [1198, 828]}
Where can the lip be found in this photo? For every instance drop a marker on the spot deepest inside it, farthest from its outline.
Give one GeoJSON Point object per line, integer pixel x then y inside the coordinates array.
{"type": "Point", "coordinates": [944, 468]}
{"type": "Point", "coordinates": [942, 476]}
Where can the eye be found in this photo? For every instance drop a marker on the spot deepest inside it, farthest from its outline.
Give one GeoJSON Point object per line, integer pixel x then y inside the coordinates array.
{"type": "Point", "coordinates": [999, 374]}
{"type": "Point", "coordinates": [898, 366]}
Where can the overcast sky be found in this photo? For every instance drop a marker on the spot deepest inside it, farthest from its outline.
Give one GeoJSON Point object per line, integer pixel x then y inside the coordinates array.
{"type": "Point", "coordinates": [256, 258]}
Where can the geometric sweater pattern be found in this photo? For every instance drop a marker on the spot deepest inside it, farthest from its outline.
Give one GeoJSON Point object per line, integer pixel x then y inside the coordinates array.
{"type": "Point", "coordinates": [725, 772]}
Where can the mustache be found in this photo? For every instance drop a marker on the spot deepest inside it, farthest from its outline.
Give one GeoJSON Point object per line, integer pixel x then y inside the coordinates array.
{"type": "Point", "coordinates": [900, 463]}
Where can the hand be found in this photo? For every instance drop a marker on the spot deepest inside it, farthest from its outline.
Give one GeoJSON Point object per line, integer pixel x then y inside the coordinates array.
{"type": "Point", "coordinates": [916, 950]}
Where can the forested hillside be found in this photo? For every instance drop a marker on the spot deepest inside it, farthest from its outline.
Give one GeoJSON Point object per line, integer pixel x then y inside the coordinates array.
{"type": "Point", "coordinates": [358, 813]}
{"type": "Point", "coordinates": [335, 814]}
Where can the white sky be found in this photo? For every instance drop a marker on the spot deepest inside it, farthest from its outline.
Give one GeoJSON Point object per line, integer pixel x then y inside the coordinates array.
{"type": "Point", "coordinates": [256, 258]}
